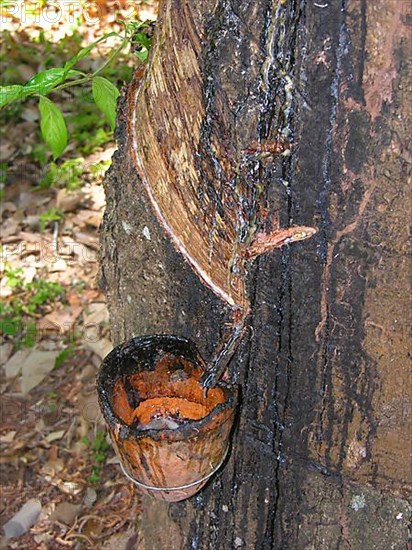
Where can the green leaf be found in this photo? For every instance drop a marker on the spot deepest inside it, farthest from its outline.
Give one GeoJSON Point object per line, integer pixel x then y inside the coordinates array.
{"type": "Point", "coordinates": [3, 172]}
{"type": "Point", "coordinates": [94, 478]}
{"type": "Point", "coordinates": [44, 82]}
{"type": "Point", "coordinates": [84, 52]}
{"type": "Point", "coordinates": [63, 355]}
{"type": "Point", "coordinates": [105, 95]}
{"type": "Point", "coordinates": [143, 54]}
{"type": "Point", "coordinates": [41, 84]}
{"type": "Point", "coordinates": [52, 215]}
{"type": "Point", "coordinates": [80, 55]}
{"type": "Point", "coordinates": [8, 94]}
{"type": "Point", "coordinates": [142, 39]}
{"type": "Point", "coordinates": [29, 338]}
{"type": "Point", "coordinates": [53, 126]}
{"type": "Point", "coordinates": [10, 327]}
{"type": "Point", "coordinates": [72, 74]}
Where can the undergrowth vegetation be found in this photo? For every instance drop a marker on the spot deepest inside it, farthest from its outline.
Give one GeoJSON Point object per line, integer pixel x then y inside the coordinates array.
{"type": "Point", "coordinates": [58, 89]}
{"type": "Point", "coordinates": [64, 88]}
{"type": "Point", "coordinates": [72, 88]}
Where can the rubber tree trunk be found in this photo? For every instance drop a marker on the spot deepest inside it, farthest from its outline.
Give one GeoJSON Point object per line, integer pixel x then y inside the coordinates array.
{"type": "Point", "coordinates": [320, 457]}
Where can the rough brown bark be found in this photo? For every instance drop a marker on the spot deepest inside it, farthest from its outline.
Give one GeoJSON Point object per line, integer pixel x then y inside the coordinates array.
{"type": "Point", "coordinates": [320, 458]}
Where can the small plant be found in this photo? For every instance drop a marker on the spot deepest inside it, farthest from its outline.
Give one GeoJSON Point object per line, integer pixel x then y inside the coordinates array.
{"type": "Point", "coordinates": [104, 93]}
{"type": "Point", "coordinates": [63, 356]}
{"type": "Point", "coordinates": [15, 277]}
{"type": "Point", "coordinates": [28, 301]}
{"type": "Point", "coordinates": [100, 167]}
{"type": "Point", "coordinates": [3, 172]}
{"type": "Point", "coordinates": [98, 448]}
{"type": "Point", "coordinates": [29, 335]}
{"type": "Point", "coordinates": [52, 399]}
{"type": "Point", "coordinates": [52, 215]}
{"type": "Point", "coordinates": [67, 175]}
{"type": "Point", "coordinates": [89, 130]}
{"type": "Point", "coordinates": [141, 38]}
{"type": "Point", "coordinates": [52, 124]}
{"type": "Point", "coordinates": [43, 292]}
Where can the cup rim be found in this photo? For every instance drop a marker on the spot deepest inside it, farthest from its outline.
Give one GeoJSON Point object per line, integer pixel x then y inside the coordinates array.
{"type": "Point", "coordinates": [109, 372]}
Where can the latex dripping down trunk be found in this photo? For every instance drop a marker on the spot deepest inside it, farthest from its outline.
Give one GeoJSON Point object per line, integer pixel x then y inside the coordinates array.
{"type": "Point", "coordinates": [213, 187]}
{"type": "Point", "coordinates": [263, 243]}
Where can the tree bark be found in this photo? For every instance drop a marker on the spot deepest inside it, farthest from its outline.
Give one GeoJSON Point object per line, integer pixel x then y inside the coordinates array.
{"type": "Point", "coordinates": [320, 457]}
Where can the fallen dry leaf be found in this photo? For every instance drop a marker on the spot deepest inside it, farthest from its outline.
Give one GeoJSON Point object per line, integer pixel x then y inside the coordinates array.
{"type": "Point", "coordinates": [6, 350]}
{"type": "Point", "coordinates": [13, 366]}
{"type": "Point", "coordinates": [88, 240]}
{"type": "Point", "coordinates": [34, 238]}
{"type": "Point", "coordinates": [66, 512]}
{"type": "Point", "coordinates": [6, 150]}
{"type": "Point", "coordinates": [58, 265]}
{"type": "Point", "coordinates": [96, 314]}
{"type": "Point", "coordinates": [25, 518]}
{"type": "Point", "coordinates": [8, 437]}
{"type": "Point", "coordinates": [5, 290]}
{"type": "Point", "coordinates": [84, 254]}
{"type": "Point", "coordinates": [69, 487]}
{"type": "Point", "coordinates": [60, 321]}
{"type": "Point", "coordinates": [101, 348]}
{"type": "Point", "coordinates": [7, 206]}
{"type": "Point", "coordinates": [54, 436]}
{"type": "Point", "coordinates": [35, 368]}
{"type": "Point", "coordinates": [69, 201]}
{"type": "Point", "coordinates": [98, 198]}
{"type": "Point", "coordinates": [85, 297]}
{"type": "Point", "coordinates": [88, 217]}
{"type": "Point", "coordinates": [52, 467]}
{"type": "Point", "coordinates": [29, 274]}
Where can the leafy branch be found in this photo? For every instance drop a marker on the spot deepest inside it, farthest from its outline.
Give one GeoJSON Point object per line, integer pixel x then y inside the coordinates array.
{"type": "Point", "coordinates": [52, 123]}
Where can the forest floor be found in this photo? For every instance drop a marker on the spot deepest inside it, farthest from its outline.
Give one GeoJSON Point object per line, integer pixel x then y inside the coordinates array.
{"type": "Point", "coordinates": [60, 481]}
